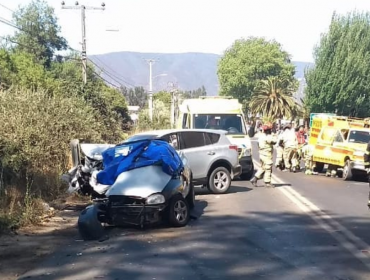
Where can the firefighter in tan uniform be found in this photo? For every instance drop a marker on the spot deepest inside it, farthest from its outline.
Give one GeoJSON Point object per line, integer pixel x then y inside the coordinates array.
{"type": "Point", "coordinates": [290, 143]}
{"type": "Point", "coordinates": [367, 166]}
{"type": "Point", "coordinates": [266, 143]}
{"type": "Point", "coordinates": [279, 162]}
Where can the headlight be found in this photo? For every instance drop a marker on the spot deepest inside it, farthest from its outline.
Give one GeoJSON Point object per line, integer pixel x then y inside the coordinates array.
{"type": "Point", "coordinates": [247, 153]}
{"type": "Point", "coordinates": [155, 199]}
{"type": "Point", "coordinates": [358, 153]}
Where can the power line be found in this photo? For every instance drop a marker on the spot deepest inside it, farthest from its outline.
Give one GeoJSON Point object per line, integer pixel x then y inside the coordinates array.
{"type": "Point", "coordinates": [2, 5]}
{"type": "Point", "coordinates": [109, 75]}
{"type": "Point", "coordinates": [112, 71]}
{"type": "Point", "coordinates": [105, 80]}
{"type": "Point", "coordinates": [8, 22]}
{"type": "Point", "coordinates": [107, 72]}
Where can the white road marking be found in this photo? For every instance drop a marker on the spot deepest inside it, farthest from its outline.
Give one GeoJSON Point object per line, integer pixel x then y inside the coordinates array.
{"type": "Point", "coordinates": [357, 247]}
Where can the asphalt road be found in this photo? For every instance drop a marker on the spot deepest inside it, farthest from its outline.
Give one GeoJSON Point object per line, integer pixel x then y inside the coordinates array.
{"type": "Point", "coordinates": [308, 227]}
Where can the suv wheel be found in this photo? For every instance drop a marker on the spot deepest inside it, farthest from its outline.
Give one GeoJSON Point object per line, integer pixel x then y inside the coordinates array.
{"type": "Point", "coordinates": [219, 181]}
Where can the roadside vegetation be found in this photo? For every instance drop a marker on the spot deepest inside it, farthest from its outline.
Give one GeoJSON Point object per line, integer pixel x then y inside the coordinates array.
{"type": "Point", "coordinates": [260, 74]}
{"type": "Point", "coordinates": [43, 105]}
{"type": "Point", "coordinates": [340, 81]}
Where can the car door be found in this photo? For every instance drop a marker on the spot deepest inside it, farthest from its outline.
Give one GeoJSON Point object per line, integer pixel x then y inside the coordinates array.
{"type": "Point", "coordinates": [199, 151]}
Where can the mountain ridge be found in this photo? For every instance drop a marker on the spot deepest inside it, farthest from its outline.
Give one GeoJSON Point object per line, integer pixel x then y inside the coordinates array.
{"type": "Point", "coordinates": [187, 70]}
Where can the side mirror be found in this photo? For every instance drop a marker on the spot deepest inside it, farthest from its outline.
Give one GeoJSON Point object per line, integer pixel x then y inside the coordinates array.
{"type": "Point", "coordinates": [251, 132]}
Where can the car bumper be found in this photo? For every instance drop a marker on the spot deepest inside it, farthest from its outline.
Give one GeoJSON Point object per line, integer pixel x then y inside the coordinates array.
{"type": "Point", "coordinates": [135, 214]}
{"type": "Point", "coordinates": [246, 164]}
{"type": "Point", "coordinates": [358, 165]}
{"type": "Point", "coordinates": [236, 171]}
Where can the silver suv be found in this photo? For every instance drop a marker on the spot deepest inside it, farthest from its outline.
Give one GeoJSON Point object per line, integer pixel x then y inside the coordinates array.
{"type": "Point", "coordinates": [212, 158]}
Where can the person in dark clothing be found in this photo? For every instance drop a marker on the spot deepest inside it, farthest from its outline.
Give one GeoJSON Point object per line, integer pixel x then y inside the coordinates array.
{"type": "Point", "coordinates": [367, 166]}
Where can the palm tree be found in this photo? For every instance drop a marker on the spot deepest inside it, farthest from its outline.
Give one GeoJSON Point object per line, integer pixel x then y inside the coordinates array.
{"type": "Point", "coordinates": [274, 99]}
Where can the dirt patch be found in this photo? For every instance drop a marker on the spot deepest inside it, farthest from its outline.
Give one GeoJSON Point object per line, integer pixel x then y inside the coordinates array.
{"type": "Point", "coordinates": [25, 249]}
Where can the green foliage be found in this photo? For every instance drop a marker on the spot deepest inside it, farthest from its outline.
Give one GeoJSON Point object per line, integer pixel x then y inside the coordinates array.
{"type": "Point", "coordinates": [164, 97]}
{"type": "Point", "coordinates": [43, 105]}
{"type": "Point", "coordinates": [193, 93]}
{"type": "Point", "coordinates": [161, 117]}
{"type": "Point", "coordinates": [20, 68]}
{"type": "Point", "coordinates": [247, 62]}
{"type": "Point", "coordinates": [34, 143]}
{"type": "Point", "coordinates": [340, 81]}
{"type": "Point", "coordinates": [273, 98]}
{"type": "Point", "coordinates": [39, 31]}
{"type": "Point", "coordinates": [135, 96]}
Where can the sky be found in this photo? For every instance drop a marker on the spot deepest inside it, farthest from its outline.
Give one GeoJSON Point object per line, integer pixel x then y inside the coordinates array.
{"type": "Point", "coordinates": [208, 26]}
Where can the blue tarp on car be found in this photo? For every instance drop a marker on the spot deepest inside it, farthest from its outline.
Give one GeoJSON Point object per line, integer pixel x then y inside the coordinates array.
{"type": "Point", "coordinates": [136, 154]}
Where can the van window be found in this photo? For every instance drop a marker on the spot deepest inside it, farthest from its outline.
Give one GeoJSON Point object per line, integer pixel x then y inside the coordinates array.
{"type": "Point", "coordinates": [328, 134]}
{"type": "Point", "coordinates": [358, 136]}
{"type": "Point", "coordinates": [233, 123]}
{"type": "Point", "coordinates": [184, 119]}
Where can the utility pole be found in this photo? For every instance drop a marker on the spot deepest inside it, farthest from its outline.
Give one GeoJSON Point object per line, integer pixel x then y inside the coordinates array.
{"type": "Point", "coordinates": [151, 62]}
{"type": "Point", "coordinates": [173, 91]}
{"type": "Point", "coordinates": [83, 8]}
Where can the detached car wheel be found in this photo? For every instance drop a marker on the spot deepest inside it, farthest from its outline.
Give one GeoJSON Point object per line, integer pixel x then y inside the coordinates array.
{"type": "Point", "coordinates": [219, 181]}
{"type": "Point", "coordinates": [89, 226]}
{"type": "Point", "coordinates": [178, 211]}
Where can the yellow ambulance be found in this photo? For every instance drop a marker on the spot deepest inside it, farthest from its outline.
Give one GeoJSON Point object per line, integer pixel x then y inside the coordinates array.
{"type": "Point", "coordinates": [340, 142]}
{"type": "Point", "coordinates": [219, 112]}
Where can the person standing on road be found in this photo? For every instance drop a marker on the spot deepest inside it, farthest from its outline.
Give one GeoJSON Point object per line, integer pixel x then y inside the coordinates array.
{"type": "Point", "coordinates": [266, 143]}
{"type": "Point", "coordinates": [290, 143]}
{"type": "Point", "coordinates": [367, 166]}
{"type": "Point", "coordinates": [279, 161]}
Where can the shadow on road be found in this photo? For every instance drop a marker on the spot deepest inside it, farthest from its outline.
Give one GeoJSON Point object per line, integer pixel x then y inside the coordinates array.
{"type": "Point", "coordinates": [253, 245]}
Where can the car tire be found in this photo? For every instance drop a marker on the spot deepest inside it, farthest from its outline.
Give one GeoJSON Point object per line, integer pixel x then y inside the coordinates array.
{"type": "Point", "coordinates": [215, 185]}
{"type": "Point", "coordinates": [319, 167]}
{"type": "Point", "coordinates": [191, 197]}
{"type": "Point", "coordinates": [347, 171]}
{"type": "Point", "coordinates": [178, 211]}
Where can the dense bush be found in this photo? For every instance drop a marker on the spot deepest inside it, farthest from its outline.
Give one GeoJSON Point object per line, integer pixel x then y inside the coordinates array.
{"type": "Point", "coordinates": [34, 141]}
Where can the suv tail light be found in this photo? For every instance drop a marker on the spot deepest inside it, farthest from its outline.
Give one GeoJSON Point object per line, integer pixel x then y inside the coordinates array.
{"type": "Point", "coordinates": [233, 147]}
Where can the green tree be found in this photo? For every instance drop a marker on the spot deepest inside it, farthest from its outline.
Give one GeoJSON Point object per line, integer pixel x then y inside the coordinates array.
{"type": "Point", "coordinates": [38, 31]}
{"type": "Point", "coordinates": [161, 117]}
{"type": "Point", "coordinates": [194, 93]}
{"type": "Point", "coordinates": [164, 97]}
{"type": "Point", "coordinates": [135, 96]}
{"type": "Point", "coordinates": [247, 62]}
{"type": "Point", "coordinates": [19, 68]}
{"type": "Point", "coordinates": [340, 80]}
{"type": "Point", "coordinates": [274, 99]}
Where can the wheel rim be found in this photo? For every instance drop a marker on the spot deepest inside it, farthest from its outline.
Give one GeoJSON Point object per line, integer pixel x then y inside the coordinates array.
{"type": "Point", "coordinates": [345, 170]}
{"type": "Point", "coordinates": [181, 211]}
{"type": "Point", "coordinates": [221, 180]}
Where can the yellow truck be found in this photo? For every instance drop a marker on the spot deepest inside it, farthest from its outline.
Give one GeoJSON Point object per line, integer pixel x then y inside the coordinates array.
{"type": "Point", "coordinates": [339, 142]}
{"type": "Point", "coordinates": [224, 113]}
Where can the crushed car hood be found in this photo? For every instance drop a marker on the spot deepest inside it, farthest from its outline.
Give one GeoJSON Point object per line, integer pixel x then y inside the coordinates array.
{"type": "Point", "coordinates": [140, 182]}
{"type": "Point", "coordinates": [95, 151]}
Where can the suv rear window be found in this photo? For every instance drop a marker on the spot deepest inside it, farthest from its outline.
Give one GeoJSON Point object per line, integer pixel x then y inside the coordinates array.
{"type": "Point", "coordinates": [214, 137]}
{"type": "Point", "coordinates": [192, 139]}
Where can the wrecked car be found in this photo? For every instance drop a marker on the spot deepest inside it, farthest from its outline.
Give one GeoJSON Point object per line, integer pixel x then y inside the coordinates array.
{"type": "Point", "coordinates": [140, 182]}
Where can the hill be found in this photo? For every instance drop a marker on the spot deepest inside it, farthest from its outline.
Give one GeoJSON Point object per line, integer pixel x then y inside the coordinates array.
{"type": "Point", "coordinates": [188, 70]}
